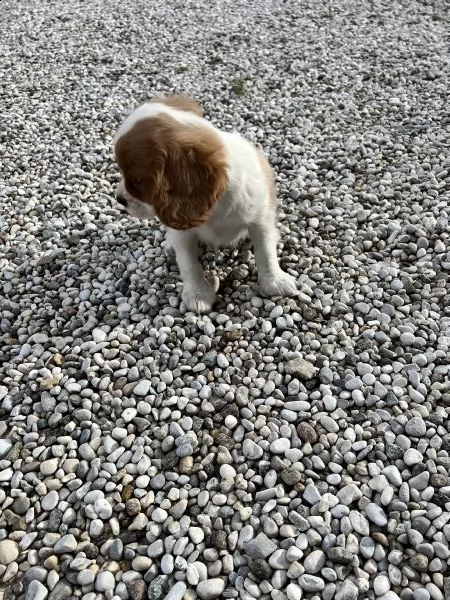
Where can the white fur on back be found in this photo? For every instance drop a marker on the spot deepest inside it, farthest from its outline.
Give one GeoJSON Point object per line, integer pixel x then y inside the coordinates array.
{"type": "Point", "coordinates": [247, 199]}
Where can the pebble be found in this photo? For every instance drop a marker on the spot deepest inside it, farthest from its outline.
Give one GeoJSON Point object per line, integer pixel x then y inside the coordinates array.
{"type": "Point", "coordinates": [9, 552]}
{"type": "Point", "coordinates": [50, 500]}
{"type": "Point", "coordinates": [280, 446]}
{"type": "Point", "coordinates": [301, 368]}
{"type": "Point", "coordinates": [142, 388]}
{"type": "Point", "coordinates": [66, 544]}
{"type": "Point", "coordinates": [177, 592]}
{"type": "Point", "coordinates": [381, 585]}
{"type": "Point", "coordinates": [210, 588]}
{"type": "Point", "coordinates": [196, 534]}
{"type": "Point", "coordinates": [260, 547]}
{"type": "Point", "coordinates": [376, 514]}
{"type": "Point", "coordinates": [415, 427]}
{"type": "Point", "coordinates": [311, 583]}
{"type": "Point", "coordinates": [36, 591]}
{"type": "Point", "coordinates": [104, 581]}
{"type": "Point", "coordinates": [314, 562]}
{"type": "Point", "coordinates": [5, 447]}
{"type": "Point", "coordinates": [251, 450]}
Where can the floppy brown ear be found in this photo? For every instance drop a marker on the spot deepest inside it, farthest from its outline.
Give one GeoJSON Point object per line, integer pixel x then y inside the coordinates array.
{"type": "Point", "coordinates": [194, 177]}
{"type": "Point", "coordinates": [181, 103]}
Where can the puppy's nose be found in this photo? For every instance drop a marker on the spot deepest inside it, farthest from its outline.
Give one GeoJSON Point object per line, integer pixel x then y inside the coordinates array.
{"type": "Point", "coordinates": [121, 200]}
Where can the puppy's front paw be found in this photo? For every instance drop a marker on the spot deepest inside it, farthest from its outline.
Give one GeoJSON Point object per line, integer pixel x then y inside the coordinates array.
{"type": "Point", "coordinates": [199, 299]}
{"type": "Point", "coordinates": [280, 284]}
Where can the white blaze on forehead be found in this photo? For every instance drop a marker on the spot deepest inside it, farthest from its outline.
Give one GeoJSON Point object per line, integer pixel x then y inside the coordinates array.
{"type": "Point", "coordinates": [143, 112]}
{"type": "Point", "coordinates": [152, 109]}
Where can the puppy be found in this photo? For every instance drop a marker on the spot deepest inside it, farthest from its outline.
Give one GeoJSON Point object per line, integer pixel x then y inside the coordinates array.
{"type": "Point", "coordinates": [204, 185]}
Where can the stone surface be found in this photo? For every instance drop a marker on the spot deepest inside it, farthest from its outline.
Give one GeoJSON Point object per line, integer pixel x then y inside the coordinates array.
{"type": "Point", "coordinates": [9, 552]}
{"type": "Point", "coordinates": [279, 445]}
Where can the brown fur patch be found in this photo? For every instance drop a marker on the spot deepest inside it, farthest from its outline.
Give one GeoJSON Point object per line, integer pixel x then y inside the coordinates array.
{"type": "Point", "coordinates": [268, 172]}
{"type": "Point", "coordinates": [181, 170]}
{"type": "Point", "coordinates": [181, 103]}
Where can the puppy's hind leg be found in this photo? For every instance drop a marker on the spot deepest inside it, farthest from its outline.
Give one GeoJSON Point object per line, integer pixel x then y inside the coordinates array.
{"type": "Point", "coordinates": [273, 281]}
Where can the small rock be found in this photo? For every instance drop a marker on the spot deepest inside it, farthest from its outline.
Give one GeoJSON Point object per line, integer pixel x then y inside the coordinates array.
{"type": "Point", "coordinates": [376, 514]}
{"type": "Point", "coordinates": [36, 591]}
{"type": "Point", "coordinates": [61, 591]}
{"type": "Point", "coordinates": [137, 589]}
{"type": "Point", "coordinates": [196, 534]}
{"type": "Point", "coordinates": [419, 562]}
{"type": "Point", "coordinates": [381, 585]}
{"type": "Point", "coordinates": [99, 336]}
{"type": "Point", "coordinates": [260, 547]}
{"type": "Point", "coordinates": [251, 450]}
{"type": "Point", "coordinates": [311, 494]}
{"type": "Point", "coordinates": [105, 581]}
{"type": "Point", "coordinates": [307, 433]}
{"type": "Point", "coordinates": [347, 591]}
{"type": "Point", "coordinates": [340, 555]}
{"type": "Point", "coordinates": [5, 447]}
{"type": "Point", "coordinates": [66, 544]}
{"type": "Point", "coordinates": [280, 446]}
{"type": "Point", "coordinates": [9, 552]}
{"type": "Point", "coordinates": [158, 587]}
{"type": "Point", "coordinates": [416, 427]}
{"type": "Point", "coordinates": [311, 583]}
{"type": "Point", "coordinates": [303, 369]}
{"type": "Point", "coordinates": [314, 562]}
{"type": "Point", "coordinates": [178, 591]}
{"type": "Point", "coordinates": [210, 588]}
{"type": "Point", "coordinates": [359, 522]}
{"type": "Point", "coordinates": [49, 467]}
{"type": "Point", "coordinates": [261, 569]}
{"type": "Point", "coordinates": [142, 387]}
{"type": "Point", "coordinates": [50, 500]}
{"type": "Point", "coordinates": [291, 475]}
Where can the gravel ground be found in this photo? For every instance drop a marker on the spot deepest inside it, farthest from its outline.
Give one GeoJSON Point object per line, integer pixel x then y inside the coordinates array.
{"type": "Point", "coordinates": [272, 449]}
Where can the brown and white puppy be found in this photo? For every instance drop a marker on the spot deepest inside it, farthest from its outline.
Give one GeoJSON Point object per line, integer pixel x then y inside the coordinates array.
{"type": "Point", "coordinates": [203, 184]}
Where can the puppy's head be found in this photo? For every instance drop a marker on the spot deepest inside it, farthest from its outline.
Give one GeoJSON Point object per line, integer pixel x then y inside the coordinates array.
{"type": "Point", "coordinates": [173, 168]}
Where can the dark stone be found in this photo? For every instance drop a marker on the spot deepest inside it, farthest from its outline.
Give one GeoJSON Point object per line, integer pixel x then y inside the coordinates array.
{"type": "Point", "coordinates": [158, 588]}
{"type": "Point", "coordinates": [393, 451]}
{"type": "Point", "coordinates": [340, 555]}
{"type": "Point", "coordinates": [306, 433]}
{"type": "Point", "coordinates": [390, 399]}
{"type": "Point", "coordinates": [21, 505]}
{"type": "Point", "coordinates": [55, 520]}
{"type": "Point", "coordinates": [222, 439]}
{"type": "Point", "coordinates": [197, 423]}
{"type": "Point", "coordinates": [420, 524]}
{"type": "Point", "coordinates": [116, 550]}
{"type": "Point", "coordinates": [169, 460]}
{"type": "Point", "coordinates": [91, 551]}
{"type": "Point", "coordinates": [137, 589]}
{"type": "Point", "coordinates": [438, 480]}
{"type": "Point", "coordinates": [291, 475]}
{"type": "Point", "coordinates": [219, 540]}
{"type": "Point", "coordinates": [261, 569]}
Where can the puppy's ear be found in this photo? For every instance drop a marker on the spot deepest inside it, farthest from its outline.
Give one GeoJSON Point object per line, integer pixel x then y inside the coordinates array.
{"type": "Point", "coordinates": [194, 177]}
{"type": "Point", "coordinates": [181, 103]}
